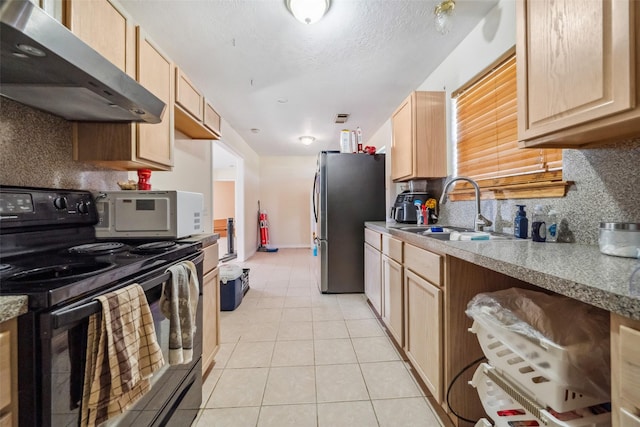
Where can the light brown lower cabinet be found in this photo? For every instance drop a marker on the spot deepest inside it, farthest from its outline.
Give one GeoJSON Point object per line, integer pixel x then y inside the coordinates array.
{"type": "Point", "coordinates": [372, 276]}
{"type": "Point", "coordinates": [625, 371]}
{"type": "Point", "coordinates": [393, 310]}
{"type": "Point", "coordinates": [423, 330]}
{"type": "Point", "coordinates": [8, 373]}
{"type": "Point", "coordinates": [210, 308]}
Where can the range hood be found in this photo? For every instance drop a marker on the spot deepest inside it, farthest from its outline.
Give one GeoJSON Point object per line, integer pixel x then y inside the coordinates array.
{"type": "Point", "coordinates": [46, 66]}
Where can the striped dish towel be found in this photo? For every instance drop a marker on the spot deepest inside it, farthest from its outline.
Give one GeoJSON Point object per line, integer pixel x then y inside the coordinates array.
{"type": "Point", "coordinates": [178, 303]}
{"type": "Point", "coordinates": [122, 354]}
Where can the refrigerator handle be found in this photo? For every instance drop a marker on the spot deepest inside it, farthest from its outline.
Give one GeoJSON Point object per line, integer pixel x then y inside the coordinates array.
{"type": "Point", "coordinates": [315, 208]}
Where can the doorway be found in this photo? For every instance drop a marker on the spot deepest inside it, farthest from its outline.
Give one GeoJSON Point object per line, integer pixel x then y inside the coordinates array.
{"type": "Point", "coordinates": [227, 196]}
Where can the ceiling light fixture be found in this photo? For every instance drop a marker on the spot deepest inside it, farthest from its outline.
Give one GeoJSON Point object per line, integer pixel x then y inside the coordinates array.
{"type": "Point", "coordinates": [307, 140]}
{"type": "Point", "coordinates": [443, 13]}
{"type": "Point", "coordinates": [308, 11]}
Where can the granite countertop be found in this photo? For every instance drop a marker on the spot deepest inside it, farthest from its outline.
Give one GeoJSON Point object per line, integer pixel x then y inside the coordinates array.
{"type": "Point", "coordinates": [577, 271]}
{"type": "Point", "coordinates": [12, 306]}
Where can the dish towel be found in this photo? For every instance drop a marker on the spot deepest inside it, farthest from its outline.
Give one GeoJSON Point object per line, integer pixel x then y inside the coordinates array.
{"type": "Point", "coordinates": [122, 354]}
{"type": "Point", "coordinates": [179, 303]}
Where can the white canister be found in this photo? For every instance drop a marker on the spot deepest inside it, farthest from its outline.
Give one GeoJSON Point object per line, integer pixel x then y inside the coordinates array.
{"type": "Point", "coordinates": [620, 239]}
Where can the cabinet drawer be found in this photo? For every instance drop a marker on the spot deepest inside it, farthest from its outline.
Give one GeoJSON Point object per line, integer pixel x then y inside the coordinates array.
{"type": "Point", "coordinates": [630, 365]}
{"type": "Point", "coordinates": [392, 248]}
{"type": "Point", "coordinates": [210, 257]}
{"type": "Point", "coordinates": [5, 369]}
{"type": "Point", "coordinates": [211, 119]}
{"type": "Point", "coordinates": [188, 97]}
{"type": "Point", "coordinates": [423, 263]}
{"type": "Point", "coordinates": [627, 419]}
{"type": "Point", "coordinates": [373, 238]}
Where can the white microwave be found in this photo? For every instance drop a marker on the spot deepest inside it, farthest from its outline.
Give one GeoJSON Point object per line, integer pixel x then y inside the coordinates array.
{"type": "Point", "coordinates": [161, 215]}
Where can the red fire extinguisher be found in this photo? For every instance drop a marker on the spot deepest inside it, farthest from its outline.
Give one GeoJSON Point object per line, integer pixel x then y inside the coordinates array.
{"type": "Point", "coordinates": [264, 229]}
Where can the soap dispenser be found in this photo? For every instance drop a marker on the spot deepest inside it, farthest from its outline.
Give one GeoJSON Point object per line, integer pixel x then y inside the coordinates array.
{"type": "Point", "coordinates": [521, 223]}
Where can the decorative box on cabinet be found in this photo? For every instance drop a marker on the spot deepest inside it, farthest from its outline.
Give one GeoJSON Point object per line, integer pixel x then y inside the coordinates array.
{"type": "Point", "coordinates": [131, 146]}
{"type": "Point", "coordinates": [194, 116]}
{"type": "Point", "coordinates": [419, 141]}
{"type": "Point", "coordinates": [210, 307]}
{"type": "Point", "coordinates": [569, 96]}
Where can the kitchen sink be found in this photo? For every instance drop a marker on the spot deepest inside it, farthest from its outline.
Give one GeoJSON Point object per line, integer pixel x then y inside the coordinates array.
{"type": "Point", "coordinates": [456, 233]}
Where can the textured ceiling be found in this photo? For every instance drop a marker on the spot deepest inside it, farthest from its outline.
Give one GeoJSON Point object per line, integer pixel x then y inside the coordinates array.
{"type": "Point", "coordinates": [363, 58]}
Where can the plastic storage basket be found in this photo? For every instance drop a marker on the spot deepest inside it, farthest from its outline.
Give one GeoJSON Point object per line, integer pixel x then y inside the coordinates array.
{"type": "Point", "coordinates": [508, 406]}
{"type": "Point", "coordinates": [526, 362]}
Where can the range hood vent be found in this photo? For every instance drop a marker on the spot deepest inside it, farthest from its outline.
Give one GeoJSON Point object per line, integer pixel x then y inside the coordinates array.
{"type": "Point", "coordinates": [46, 66]}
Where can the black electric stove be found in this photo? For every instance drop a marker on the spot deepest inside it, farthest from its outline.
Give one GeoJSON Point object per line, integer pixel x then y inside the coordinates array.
{"type": "Point", "coordinates": [49, 252]}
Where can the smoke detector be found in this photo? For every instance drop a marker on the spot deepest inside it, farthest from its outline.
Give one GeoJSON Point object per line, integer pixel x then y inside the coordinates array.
{"type": "Point", "coordinates": [341, 118]}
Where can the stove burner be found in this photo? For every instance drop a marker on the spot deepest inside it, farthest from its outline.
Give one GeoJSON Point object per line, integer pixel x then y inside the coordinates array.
{"type": "Point", "coordinates": [56, 272]}
{"type": "Point", "coordinates": [154, 247]}
{"type": "Point", "coordinates": [98, 248]}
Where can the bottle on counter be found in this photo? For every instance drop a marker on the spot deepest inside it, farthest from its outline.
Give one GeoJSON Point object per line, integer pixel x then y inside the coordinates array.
{"type": "Point", "coordinates": [552, 226]}
{"type": "Point", "coordinates": [538, 225]}
{"type": "Point", "coordinates": [419, 215]}
{"type": "Point", "coordinates": [520, 223]}
{"type": "Point", "coordinates": [359, 140]}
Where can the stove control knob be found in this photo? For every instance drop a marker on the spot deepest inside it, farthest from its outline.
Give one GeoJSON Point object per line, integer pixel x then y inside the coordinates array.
{"type": "Point", "coordinates": [83, 207]}
{"type": "Point", "coordinates": [60, 202]}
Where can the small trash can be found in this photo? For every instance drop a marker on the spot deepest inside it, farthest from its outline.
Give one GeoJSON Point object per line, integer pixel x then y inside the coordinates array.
{"type": "Point", "coordinates": [230, 287]}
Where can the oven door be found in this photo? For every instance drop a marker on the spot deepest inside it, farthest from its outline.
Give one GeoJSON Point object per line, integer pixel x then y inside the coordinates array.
{"type": "Point", "coordinates": [176, 390]}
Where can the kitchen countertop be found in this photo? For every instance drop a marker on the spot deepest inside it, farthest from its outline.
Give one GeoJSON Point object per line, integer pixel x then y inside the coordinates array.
{"type": "Point", "coordinates": [206, 239]}
{"type": "Point", "coordinates": [12, 306]}
{"type": "Point", "coordinates": [577, 271]}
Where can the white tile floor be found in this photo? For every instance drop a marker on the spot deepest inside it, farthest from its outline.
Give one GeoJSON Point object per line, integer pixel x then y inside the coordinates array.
{"type": "Point", "coordinates": [291, 356]}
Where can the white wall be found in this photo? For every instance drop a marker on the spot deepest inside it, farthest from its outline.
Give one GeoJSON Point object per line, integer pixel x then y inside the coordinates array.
{"type": "Point", "coordinates": [189, 155]}
{"type": "Point", "coordinates": [247, 190]}
{"type": "Point", "coordinates": [489, 40]}
{"type": "Point", "coordinates": [286, 184]}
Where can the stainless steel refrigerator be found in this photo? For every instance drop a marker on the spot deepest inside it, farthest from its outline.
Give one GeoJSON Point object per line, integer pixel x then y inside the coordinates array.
{"type": "Point", "coordinates": [349, 189]}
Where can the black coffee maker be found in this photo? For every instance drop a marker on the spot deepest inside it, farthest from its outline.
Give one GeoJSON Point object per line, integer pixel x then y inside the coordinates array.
{"type": "Point", "coordinates": [405, 211]}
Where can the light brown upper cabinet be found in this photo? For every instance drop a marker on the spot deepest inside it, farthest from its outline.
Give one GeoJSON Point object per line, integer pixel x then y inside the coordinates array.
{"type": "Point", "coordinates": [419, 144]}
{"type": "Point", "coordinates": [578, 72]}
{"type": "Point", "coordinates": [101, 25]}
{"type": "Point", "coordinates": [131, 146]}
{"type": "Point", "coordinates": [195, 117]}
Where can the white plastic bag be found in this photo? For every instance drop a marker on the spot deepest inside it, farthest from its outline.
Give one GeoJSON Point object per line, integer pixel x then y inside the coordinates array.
{"type": "Point", "coordinates": [571, 333]}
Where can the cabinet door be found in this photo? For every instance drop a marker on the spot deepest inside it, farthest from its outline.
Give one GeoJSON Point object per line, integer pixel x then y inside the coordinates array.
{"type": "Point", "coordinates": [402, 141]}
{"type": "Point", "coordinates": [212, 119]}
{"type": "Point", "coordinates": [372, 276]}
{"type": "Point", "coordinates": [188, 97]}
{"type": "Point", "coordinates": [576, 63]}
{"type": "Point", "coordinates": [210, 318]}
{"type": "Point", "coordinates": [155, 72]}
{"type": "Point", "coordinates": [393, 302]}
{"type": "Point", "coordinates": [625, 371]}
{"type": "Point", "coordinates": [423, 330]}
{"type": "Point", "coordinates": [101, 26]}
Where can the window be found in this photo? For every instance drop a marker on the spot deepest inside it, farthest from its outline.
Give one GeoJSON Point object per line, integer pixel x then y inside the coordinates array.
{"type": "Point", "coordinates": [487, 142]}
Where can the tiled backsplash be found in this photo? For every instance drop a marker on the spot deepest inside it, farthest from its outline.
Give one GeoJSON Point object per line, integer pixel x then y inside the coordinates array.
{"type": "Point", "coordinates": [36, 151]}
{"type": "Point", "coordinates": [606, 189]}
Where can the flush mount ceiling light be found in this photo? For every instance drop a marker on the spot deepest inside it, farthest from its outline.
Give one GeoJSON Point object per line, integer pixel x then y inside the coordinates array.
{"type": "Point", "coordinates": [307, 140]}
{"type": "Point", "coordinates": [308, 11]}
{"type": "Point", "coordinates": [443, 13]}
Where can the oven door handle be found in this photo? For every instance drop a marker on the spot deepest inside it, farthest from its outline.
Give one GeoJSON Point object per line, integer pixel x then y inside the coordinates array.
{"type": "Point", "coordinates": [74, 314]}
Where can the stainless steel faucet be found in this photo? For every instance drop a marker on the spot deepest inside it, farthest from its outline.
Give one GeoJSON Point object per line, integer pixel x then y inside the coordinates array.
{"type": "Point", "coordinates": [480, 221]}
